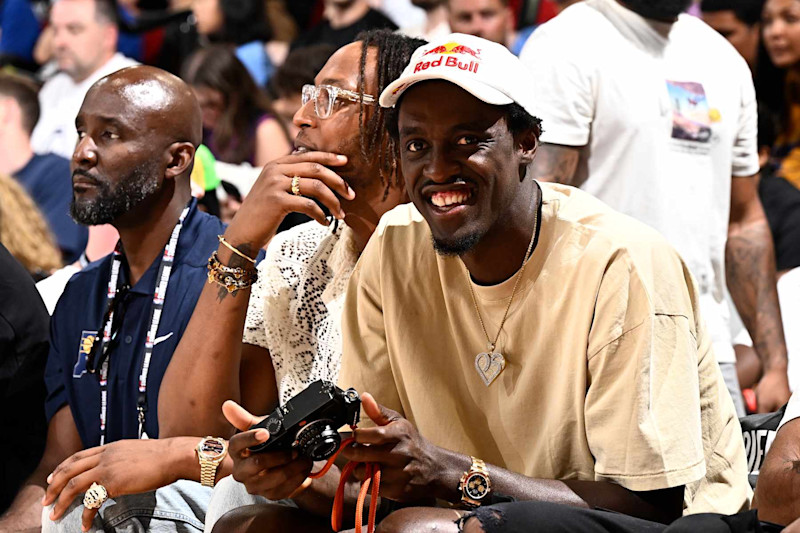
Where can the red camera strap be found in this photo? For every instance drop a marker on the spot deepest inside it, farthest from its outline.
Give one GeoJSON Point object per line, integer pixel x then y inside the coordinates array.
{"type": "Point", "coordinates": [372, 477]}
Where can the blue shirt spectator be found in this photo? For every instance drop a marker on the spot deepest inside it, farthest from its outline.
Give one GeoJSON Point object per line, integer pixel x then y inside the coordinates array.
{"type": "Point", "coordinates": [19, 29]}
{"type": "Point", "coordinates": [254, 57]}
{"type": "Point", "coordinates": [47, 179]}
{"type": "Point", "coordinates": [72, 334]}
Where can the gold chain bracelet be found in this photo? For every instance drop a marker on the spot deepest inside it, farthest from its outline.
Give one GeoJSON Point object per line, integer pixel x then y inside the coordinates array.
{"type": "Point", "coordinates": [233, 249]}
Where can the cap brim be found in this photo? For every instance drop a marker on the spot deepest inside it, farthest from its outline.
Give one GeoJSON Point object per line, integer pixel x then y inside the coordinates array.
{"type": "Point", "coordinates": [479, 90]}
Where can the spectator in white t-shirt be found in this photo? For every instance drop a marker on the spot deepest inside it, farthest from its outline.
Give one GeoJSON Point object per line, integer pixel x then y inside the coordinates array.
{"type": "Point", "coordinates": [85, 46]}
{"type": "Point", "coordinates": [656, 116]}
{"type": "Point", "coordinates": [435, 24]}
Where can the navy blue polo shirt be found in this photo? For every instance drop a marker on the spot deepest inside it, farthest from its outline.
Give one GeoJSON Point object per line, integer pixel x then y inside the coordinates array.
{"type": "Point", "coordinates": [78, 318]}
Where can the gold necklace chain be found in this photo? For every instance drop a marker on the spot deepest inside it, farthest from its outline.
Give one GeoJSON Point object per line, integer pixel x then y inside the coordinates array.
{"type": "Point", "coordinates": [513, 291]}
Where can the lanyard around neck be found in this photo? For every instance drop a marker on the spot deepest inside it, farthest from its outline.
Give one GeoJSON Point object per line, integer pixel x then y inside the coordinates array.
{"type": "Point", "coordinates": [159, 294]}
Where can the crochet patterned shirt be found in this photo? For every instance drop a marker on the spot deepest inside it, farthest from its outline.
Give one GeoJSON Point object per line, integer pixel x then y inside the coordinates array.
{"type": "Point", "coordinates": [296, 305]}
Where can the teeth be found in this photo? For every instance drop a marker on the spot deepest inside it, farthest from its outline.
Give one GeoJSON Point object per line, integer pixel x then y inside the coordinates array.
{"type": "Point", "coordinates": [448, 198]}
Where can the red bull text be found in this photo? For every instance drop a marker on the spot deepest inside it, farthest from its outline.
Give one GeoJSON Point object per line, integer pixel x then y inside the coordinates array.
{"type": "Point", "coordinates": [449, 61]}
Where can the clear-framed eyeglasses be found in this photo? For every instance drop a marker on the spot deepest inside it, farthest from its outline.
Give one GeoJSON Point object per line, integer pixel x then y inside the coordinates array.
{"type": "Point", "coordinates": [325, 96]}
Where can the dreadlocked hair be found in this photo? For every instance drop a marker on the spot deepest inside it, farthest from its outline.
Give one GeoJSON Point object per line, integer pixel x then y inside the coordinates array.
{"type": "Point", "coordinates": [23, 230]}
{"type": "Point", "coordinates": [394, 53]}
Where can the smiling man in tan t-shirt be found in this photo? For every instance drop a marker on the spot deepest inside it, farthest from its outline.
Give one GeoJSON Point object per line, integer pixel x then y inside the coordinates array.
{"type": "Point", "coordinates": [544, 347]}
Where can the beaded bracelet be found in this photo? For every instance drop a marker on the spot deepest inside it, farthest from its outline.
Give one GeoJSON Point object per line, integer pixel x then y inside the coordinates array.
{"type": "Point", "coordinates": [233, 279]}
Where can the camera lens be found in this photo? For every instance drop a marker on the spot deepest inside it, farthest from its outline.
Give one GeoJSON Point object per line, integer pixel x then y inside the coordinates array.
{"type": "Point", "coordinates": [318, 440]}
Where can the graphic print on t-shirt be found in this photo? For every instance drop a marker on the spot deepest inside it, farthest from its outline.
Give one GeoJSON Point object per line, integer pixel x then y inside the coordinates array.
{"type": "Point", "coordinates": [84, 348]}
{"type": "Point", "coordinates": [691, 117]}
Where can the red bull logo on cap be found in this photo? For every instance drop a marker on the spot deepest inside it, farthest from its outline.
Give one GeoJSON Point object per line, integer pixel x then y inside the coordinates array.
{"type": "Point", "coordinates": [452, 50]}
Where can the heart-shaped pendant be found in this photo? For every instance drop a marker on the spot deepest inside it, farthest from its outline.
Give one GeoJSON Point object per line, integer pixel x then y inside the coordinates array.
{"type": "Point", "coordinates": [489, 366]}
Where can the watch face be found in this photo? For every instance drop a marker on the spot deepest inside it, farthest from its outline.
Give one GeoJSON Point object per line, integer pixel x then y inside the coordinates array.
{"type": "Point", "coordinates": [477, 486]}
{"type": "Point", "coordinates": [212, 448]}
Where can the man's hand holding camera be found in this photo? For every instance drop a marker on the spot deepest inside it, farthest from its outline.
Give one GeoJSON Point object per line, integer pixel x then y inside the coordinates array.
{"type": "Point", "coordinates": [276, 474]}
{"type": "Point", "coordinates": [410, 464]}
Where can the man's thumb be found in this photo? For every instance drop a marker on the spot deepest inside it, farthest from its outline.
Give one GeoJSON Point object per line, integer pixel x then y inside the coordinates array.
{"type": "Point", "coordinates": [238, 416]}
{"type": "Point", "coordinates": [379, 414]}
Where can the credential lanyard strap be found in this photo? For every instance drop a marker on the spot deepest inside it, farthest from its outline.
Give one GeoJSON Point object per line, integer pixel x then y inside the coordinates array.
{"type": "Point", "coordinates": [156, 308]}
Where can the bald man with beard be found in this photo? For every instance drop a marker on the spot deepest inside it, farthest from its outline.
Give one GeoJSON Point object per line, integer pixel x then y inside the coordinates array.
{"type": "Point", "coordinates": [112, 334]}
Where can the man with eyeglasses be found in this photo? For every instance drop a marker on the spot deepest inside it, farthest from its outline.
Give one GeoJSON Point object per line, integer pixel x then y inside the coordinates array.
{"type": "Point", "coordinates": [264, 345]}
{"type": "Point", "coordinates": [120, 318]}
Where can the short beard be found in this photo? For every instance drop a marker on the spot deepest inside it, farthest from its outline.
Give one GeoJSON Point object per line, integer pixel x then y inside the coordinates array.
{"type": "Point", "coordinates": [112, 203]}
{"type": "Point", "coordinates": [456, 247]}
{"type": "Point", "coordinates": [658, 9]}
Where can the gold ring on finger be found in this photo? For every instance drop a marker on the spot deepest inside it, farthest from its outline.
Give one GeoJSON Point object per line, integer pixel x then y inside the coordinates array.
{"type": "Point", "coordinates": [95, 496]}
{"type": "Point", "coordinates": [296, 185]}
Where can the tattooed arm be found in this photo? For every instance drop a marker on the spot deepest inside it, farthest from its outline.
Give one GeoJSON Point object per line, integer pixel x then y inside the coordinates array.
{"type": "Point", "coordinates": [211, 364]}
{"type": "Point", "coordinates": [750, 269]}
{"type": "Point", "coordinates": [777, 495]}
{"type": "Point", "coordinates": [556, 162]}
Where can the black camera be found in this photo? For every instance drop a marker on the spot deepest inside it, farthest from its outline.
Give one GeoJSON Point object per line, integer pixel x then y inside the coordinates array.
{"type": "Point", "coordinates": [309, 422]}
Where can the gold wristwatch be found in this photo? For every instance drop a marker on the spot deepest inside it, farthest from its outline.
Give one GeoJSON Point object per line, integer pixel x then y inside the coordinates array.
{"type": "Point", "coordinates": [475, 484]}
{"type": "Point", "coordinates": [211, 451]}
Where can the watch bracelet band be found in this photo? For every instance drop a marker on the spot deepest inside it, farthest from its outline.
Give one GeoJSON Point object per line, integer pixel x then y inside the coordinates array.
{"type": "Point", "coordinates": [208, 473]}
{"type": "Point", "coordinates": [477, 466]}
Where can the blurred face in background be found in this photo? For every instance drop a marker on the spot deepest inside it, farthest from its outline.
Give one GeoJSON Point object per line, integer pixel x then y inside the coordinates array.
{"type": "Point", "coordinates": [212, 104]}
{"type": "Point", "coordinates": [781, 22]}
{"type": "Point", "coordinates": [489, 19]}
{"type": "Point", "coordinates": [81, 42]}
{"type": "Point", "coordinates": [742, 36]}
{"type": "Point", "coordinates": [285, 108]}
{"type": "Point", "coordinates": [208, 15]}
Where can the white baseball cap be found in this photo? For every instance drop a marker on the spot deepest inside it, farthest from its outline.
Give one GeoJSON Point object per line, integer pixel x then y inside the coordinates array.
{"type": "Point", "coordinates": [485, 69]}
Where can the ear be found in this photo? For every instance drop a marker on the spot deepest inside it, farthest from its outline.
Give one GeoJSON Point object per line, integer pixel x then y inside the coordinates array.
{"type": "Point", "coordinates": [527, 143]}
{"type": "Point", "coordinates": [6, 109]}
{"type": "Point", "coordinates": [511, 21]}
{"type": "Point", "coordinates": [180, 156]}
{"type": "Point", "coordinates": [111, 37]}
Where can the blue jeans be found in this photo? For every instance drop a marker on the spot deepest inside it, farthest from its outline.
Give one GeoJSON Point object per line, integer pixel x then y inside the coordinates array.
{"type": "Point", "coordinates": [177, 508]}
{"type": "Point", "coordinates": [228, 495]}
{"type": "Point", "coordinates": [732, 383]}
